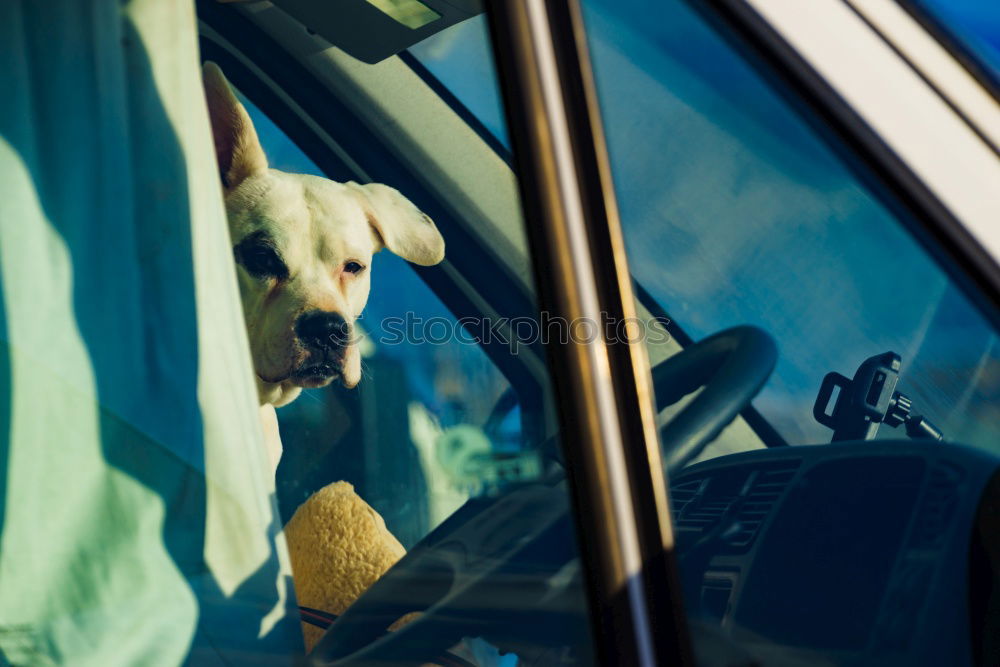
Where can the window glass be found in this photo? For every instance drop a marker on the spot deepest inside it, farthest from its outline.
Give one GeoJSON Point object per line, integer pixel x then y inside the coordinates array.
{"type": "Point", "coordinates": [417, 357]}
{"type": "Point", "coordinates": [735, 212]}
{"type": "Point", "coordinates": [435, 436]}
{"type": "Point", "coordinates": [459, 56]}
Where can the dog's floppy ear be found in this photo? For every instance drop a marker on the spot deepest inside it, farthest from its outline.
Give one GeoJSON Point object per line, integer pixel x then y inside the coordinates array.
{"type": "Point", "coordinates": [236, 145]}
{"type": "Point", "coordinates": [405, 229]}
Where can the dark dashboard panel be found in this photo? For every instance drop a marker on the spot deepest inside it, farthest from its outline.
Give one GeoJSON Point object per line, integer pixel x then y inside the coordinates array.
{"type": "Point", "coordinates": [848, 553]}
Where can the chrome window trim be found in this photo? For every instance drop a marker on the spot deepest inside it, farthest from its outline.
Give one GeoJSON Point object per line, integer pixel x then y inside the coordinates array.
{"type": "Point", "coordinates": [932, 61]}
{"type": "Point", "coordinates": [957, 168]}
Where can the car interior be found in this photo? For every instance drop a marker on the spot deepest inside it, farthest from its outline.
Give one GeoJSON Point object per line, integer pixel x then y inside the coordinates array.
{"type": "Point", "coordinates": [828, 508]}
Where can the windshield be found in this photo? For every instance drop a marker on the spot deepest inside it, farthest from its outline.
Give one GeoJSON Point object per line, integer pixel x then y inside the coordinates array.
{"type": "Point", "coordinates": [735, 211]}
{"type": "Point", "coordinates": [459, 57]}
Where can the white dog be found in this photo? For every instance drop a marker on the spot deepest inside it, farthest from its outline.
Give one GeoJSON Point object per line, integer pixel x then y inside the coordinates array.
{"type": "Point", "coordinates": [303, 246]}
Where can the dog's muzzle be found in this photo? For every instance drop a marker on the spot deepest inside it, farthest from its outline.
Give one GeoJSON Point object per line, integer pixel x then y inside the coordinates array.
{"type": "Point", "coordinates": [326, 335]}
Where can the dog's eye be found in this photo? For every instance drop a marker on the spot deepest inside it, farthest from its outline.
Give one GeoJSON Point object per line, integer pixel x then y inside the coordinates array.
{"type": "Point", "coordinates": [260, 259]}
{"type": "Point", "coordinates": [353, 267]}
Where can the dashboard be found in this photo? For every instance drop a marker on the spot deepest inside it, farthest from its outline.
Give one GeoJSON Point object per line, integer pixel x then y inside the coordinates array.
{"type": "Point", "coordinates": [881, 552]}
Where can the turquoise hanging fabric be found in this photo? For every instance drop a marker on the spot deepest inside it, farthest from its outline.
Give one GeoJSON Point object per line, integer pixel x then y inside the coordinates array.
{"type": "Point", "coordinates": [137, 515]}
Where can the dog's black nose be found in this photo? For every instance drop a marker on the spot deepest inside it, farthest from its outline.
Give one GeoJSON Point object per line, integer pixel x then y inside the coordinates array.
{"type": "Point", "coordinates": [323, 330]}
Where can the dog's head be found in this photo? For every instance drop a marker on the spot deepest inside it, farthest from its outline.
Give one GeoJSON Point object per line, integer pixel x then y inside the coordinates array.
{"type": "Point", "coordinates": [303, 246]}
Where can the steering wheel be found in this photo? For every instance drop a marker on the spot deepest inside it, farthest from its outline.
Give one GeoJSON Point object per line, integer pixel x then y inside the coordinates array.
{"type": "Point", "coordinates": [516, 553]}
{"type": "Point", "coordinates": [732, 366]}
{"type": "Point", "coordinates": [490, 558]}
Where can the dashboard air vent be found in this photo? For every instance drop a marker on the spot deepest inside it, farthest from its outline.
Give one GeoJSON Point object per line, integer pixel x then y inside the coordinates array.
{"type": "Point", "coordinates": [741, 497]}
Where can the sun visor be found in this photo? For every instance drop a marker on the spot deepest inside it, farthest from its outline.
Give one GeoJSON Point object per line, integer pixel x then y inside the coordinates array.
{"type": "Point", "coordinates": [373, 30]}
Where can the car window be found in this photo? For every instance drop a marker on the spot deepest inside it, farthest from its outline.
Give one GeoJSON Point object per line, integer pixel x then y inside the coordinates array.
{"type": "Point", "coordinates": [427, 380]}
{"type": "Point", "coordinates": [735, 211]}
{"type": "Point", "coordinates": [459, 56]}
{"type": "Point", "coordinates": [739, 213]}
{"type": "Point", "coordinates": [433, 434]}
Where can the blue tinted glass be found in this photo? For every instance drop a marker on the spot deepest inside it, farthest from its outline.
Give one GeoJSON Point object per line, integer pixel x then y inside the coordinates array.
{"type": "Point", "coordinates": [449, 382]}
{"type": "Point", "coordinates": [436, 440]}
{"type": "Point", "coordinates": [735, 212]}
{"type": "Point", "coordinates": [460, 57]}
{"type": "Point", "coordinates": [975, 22]}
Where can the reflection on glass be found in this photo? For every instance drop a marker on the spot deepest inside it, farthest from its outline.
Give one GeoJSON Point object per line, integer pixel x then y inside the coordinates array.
{"type": "Point", "coordinates": [411, 13]}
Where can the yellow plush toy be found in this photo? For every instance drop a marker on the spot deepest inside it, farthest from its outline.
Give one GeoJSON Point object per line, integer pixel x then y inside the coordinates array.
{"type": "Point", "coordinates": [339, 547]}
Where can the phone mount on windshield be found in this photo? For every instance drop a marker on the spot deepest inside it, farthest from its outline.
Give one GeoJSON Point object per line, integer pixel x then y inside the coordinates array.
{"type": "Point", "coordinates": [868, 401]}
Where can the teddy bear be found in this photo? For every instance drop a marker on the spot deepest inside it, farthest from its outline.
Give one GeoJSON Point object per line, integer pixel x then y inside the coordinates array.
{"type": "Point", "coordinates": [339, 546]}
